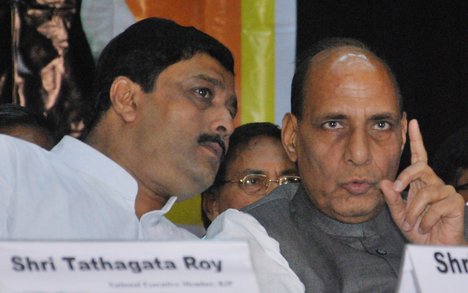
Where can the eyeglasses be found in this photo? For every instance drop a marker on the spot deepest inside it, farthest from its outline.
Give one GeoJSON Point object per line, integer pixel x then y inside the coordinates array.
{"type": "Point", "coordinates": [461, 187]}
{"type": "Point", "coordinates": [255, 183]}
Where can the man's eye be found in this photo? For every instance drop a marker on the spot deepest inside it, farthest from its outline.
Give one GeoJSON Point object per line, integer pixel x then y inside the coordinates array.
{"type": "Point", "coordinates": [332, 125]}
{"type": "Point", "coordinates": [251, 181]}
{"type": "Point", "coordinates": [382, 125]}
{"type": "Point", "coordinates": [204, 93]}
{"type": "Point", "coordinates": [254, 180]}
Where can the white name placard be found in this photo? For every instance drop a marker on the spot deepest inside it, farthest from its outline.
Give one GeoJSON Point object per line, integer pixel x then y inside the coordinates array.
{"type": "Point", "coordinates": [434, 269]}
{"type": "Point", "coordinates": [188, 266]}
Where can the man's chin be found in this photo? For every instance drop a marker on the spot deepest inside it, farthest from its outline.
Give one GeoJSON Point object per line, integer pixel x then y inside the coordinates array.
{"type": "Point", "coordinates": [358, 214]}
{"type": "Point", "coordinates": [187, 191]}
{"type": "Point", "coordinates": [355, 219]}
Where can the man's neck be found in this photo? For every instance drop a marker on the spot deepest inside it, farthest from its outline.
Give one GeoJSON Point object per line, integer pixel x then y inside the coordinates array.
{"type": "Point", "coordinates": [146, 202]}
{"type": "Point", "coordinates": [111, 141]}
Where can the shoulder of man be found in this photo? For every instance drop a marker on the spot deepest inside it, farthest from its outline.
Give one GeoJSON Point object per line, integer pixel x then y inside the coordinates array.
{"type": "Point", "coordinates": [17, 159]}
{"type": "Point", "coordinates": [16, 152]}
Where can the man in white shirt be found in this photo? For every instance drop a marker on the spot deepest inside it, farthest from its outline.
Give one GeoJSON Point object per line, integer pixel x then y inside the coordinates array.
{"type": "Point", "coordinates": [164, 108]}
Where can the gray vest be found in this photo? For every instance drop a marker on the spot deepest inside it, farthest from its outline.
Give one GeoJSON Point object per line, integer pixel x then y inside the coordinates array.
{"type": "Point", "coordinates": [327, 255]}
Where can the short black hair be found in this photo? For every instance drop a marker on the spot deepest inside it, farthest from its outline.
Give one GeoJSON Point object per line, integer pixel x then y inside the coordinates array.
{"type": "Point", "coordinates": [239, 139]}
{"type": "Point", "coordinates": [144, 50]}
{"type": "Point", "coordinates": [452, 157]}
{"type": "Point", "coordinates": [13, 115]}
{"type": "Point", "coordinates": [303, 64]}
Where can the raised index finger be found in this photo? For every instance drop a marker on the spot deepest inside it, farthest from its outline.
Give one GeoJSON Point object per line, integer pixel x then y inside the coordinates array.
{"type": "Point", "coordinates": [418, 151]}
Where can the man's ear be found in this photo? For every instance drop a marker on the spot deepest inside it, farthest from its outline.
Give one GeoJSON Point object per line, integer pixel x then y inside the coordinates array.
{"type": "Point", "coordinates": [123, 98]}
{"type": "Point", "coordinates": [289, 136]}
{"type": "Point", "coordinates": [404, 130]}
{"type": "Point", "coordinates": [210, 204]}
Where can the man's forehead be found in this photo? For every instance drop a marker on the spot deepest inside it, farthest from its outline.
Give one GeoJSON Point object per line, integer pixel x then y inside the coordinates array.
{"type": "Point", "coordinates": [346, 67]}
{"type": "Point", "coordinates": [343, 57]}
{"type": "Point", "coordinates": [201, 61]}
{"type": "Point", "coordinates": [200, 66]}
{"type": "Point", "coordinates": [351, 73]}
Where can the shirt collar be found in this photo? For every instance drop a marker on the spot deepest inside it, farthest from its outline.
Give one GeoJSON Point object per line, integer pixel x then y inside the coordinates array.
{"type": "Point", "coordinates": [87, 159]}
{"type": "Point", "coordinates": [165, 209]}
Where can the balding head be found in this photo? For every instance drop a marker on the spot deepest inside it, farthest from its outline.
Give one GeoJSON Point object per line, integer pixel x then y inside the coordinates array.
{"type": "Point", "coordinates": [343, 53]}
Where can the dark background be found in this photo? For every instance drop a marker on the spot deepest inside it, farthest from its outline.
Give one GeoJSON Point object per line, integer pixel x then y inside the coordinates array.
{"type": "Point", "coordinates": [36, 51]}
{"type": "Point", "coordinates": [424, 42]}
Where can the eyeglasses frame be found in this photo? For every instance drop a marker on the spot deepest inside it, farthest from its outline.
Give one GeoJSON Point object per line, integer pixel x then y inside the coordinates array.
{"type": "Point", "coordinates": [243, 181]}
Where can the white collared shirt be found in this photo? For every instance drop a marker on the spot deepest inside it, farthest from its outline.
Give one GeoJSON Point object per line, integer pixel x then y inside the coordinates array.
{"type": "Point", "coordinates": [73, 192]}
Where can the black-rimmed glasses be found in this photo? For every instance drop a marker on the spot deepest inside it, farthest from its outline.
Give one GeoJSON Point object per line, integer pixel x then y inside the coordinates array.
{"type": "Point", "coordinates": [255, 183]}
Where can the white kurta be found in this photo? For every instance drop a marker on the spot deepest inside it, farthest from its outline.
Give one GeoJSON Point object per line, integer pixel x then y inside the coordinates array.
{"type": "Point", "coordinates": [72, 192]}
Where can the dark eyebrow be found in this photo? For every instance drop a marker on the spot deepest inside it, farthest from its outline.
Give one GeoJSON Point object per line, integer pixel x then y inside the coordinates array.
{"type": "Point", "coordinates": [375, 117]}
{"type": "Point", "coordinates": [385, 116]}
{"type": "Point", "coordinates": [334, 116]}
{"type": "Point", "coordinates": [252, 171]}
{"type": "Point", "coordinates": [289, 172]}
{"type": "Point", "coordinates": [211, 80]}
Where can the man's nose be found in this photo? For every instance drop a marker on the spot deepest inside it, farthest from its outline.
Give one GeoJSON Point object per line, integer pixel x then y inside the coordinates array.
{"type": "Point", "coordinates": [223, 123]}
{"type": "Point", "coordinates": [357, 150]}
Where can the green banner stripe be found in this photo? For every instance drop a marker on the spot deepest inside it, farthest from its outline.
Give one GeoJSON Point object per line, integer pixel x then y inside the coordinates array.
{"type": "Point", "coordinates": [258, 60]}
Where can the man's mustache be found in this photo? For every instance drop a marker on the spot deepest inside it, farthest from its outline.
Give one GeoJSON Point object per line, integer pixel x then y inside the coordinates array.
{"type": "Point", "coordinates": [213, 138]}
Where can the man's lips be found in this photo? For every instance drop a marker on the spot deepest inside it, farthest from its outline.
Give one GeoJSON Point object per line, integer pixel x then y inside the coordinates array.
{"type": "Point", "coordinates": [357, 187]}
{"type": "Point", "coordinates": [214, 144]}
{"type": "Point", "coordinates": [215, 148]}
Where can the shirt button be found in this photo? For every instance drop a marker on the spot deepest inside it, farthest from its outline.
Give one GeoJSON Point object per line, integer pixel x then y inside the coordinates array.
{"type": "Point", "coordinates": [381, 251]}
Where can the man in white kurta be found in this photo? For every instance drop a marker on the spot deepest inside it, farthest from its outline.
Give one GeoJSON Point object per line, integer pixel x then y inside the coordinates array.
{"type": "Point", "coordinates": [84, 195]}
{"type": "Point", "coordinates": [164, 104]}
{"type": "Point", "coordinates": [73, 192]}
